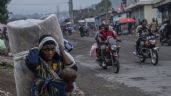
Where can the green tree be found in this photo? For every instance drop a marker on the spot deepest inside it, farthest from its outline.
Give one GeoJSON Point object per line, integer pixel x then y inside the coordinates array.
{"type": "Point", "coordinates": [103, 6]}
{"type": "Point", "coordinates": [4, 11]}
{"type": "Point", "coordinates": [100, 8]}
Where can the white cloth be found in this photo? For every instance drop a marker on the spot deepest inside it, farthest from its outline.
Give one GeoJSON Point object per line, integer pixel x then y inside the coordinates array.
{"type": "Point", "coordinates": [47, 39]}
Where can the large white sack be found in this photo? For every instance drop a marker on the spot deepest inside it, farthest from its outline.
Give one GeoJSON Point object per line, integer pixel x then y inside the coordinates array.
{"type": "Point", "coordinates": [23, 35]}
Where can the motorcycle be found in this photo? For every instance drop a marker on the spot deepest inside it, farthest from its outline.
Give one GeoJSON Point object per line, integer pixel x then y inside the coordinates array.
{"type": "Point", "coordinates": [111, 57]}
{"type": "Point", "coordinates": [148, 49]}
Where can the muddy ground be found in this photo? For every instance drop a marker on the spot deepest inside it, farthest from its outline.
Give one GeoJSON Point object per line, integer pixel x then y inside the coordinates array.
{"type": "Point", "coordinates": [134, 79]}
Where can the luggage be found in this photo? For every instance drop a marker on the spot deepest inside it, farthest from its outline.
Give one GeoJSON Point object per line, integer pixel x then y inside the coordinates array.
{"type": "Point", "coordinates": [24, 35]}
{"type": "Point", "coordinates": [68, 46]}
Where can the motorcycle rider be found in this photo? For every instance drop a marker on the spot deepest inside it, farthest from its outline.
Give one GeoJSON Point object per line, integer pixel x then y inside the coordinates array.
{"type": "Point", "coordinates": [139, 30]}
{"type": "Point", "coordinates": [153, 26]}
{"type": "Point", "coordinates": [102, 37]}
{"type": "Point", "coordinates": [97, 38]}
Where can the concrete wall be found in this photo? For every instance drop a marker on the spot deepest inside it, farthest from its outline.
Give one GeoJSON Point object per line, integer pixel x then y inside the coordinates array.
{"type": "Point", "coordinates": [138, 13]}
{"type": "Point", "coordinates": [130, 2]}
{"type": "Point", "coordinates": [149, 13]}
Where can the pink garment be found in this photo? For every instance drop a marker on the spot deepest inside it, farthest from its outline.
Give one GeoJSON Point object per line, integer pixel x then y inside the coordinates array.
{"type": "Point", "coordinates": [93, 50]}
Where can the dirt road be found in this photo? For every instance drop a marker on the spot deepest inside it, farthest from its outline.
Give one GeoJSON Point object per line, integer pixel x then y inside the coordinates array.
{"type": "Point", "coordinates": [134, 79]}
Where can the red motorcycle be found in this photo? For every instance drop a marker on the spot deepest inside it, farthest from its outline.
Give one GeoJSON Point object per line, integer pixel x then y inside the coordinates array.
{"type": "Point", "coordinates": [110, 57]}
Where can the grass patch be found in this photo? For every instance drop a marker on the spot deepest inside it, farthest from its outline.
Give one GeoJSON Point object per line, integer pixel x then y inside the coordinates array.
{"type": "Point", "coordinates": [6, 65]}
{"type": "Point", "coordinates": [3, 52]}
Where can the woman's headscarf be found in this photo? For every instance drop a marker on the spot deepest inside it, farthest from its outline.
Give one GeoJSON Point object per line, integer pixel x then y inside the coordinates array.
{"type": "Point", "coordinates": [47, 39]}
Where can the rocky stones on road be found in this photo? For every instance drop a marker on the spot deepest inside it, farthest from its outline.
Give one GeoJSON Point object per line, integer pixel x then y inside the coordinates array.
{"type": "Point", "coordinates": [3, 93]}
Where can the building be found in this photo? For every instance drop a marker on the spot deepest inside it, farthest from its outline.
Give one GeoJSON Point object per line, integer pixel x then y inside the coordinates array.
{"type": "Point", "coordinates": [104, 18]}
{"type": "Point", "coordinates": [99, 19]}
{"type": "Point", "coordinates": [164, 6]}
{"type": "Point", "coordinates": [107, 17]}
{"type": "Point", "coordinates": [88, 22]}
{"type": "Point", "coordinates": [141, 9]}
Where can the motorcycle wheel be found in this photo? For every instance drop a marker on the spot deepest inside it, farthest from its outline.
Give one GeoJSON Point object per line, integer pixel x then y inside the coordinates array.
{"type": "Point", "coordinates": [142, 59]}
{"type": "Point", "coordinates": [104, 66]}
{"type": "Point", "coordinates": [154, 57]}
{"type": "Point", "coordinates": [161, 42]}
{"type": "Point", "coordinates": [116, 65]}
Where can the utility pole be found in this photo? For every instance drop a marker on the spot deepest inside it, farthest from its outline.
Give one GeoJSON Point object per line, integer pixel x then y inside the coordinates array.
{"type": "Point", "coordinates": [71, 11]}
{"type": "Point", "coordinates": [106, 7]}
{"type": "Point", "coordinates": [58, 11]}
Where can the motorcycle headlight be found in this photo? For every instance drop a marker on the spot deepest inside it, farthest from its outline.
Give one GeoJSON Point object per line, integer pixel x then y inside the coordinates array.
{"type": "Point", "coordinates": [113, 47]}
{"type": "Point", "coordinates": [152, 41]}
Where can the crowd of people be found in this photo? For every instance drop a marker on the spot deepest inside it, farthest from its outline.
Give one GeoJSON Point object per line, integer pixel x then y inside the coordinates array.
{"type": "Point", "coordinates": [82, 29]}
{"type": "Point", "coordinates": [4, 37]}
{"type": "Point", "coordinates": [55, 73]}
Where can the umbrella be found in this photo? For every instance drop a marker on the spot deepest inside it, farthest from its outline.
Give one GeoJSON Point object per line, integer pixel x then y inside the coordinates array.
{"type": "Point", "coordinates": [126, 20]}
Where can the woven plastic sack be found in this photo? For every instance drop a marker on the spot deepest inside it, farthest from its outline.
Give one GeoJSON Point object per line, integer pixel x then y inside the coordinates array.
{"type": "Point", "coordinates": [23, 35]}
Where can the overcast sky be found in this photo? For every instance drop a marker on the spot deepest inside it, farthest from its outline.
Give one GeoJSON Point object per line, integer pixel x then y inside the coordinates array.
{"type": "Point", "coordinates": [45, 6]}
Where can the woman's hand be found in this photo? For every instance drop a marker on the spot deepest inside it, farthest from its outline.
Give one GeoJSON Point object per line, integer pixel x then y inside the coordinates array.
{"type": "Point", "coordinates": [32, 59]}
{"type": "Point", "coordinates": [61, 48]}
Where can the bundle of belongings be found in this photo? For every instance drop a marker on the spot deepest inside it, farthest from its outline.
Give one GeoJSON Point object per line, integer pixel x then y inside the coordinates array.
{"type": "Point", "coordinates": [68, 46]}
{"type": "Point", "coordinates": [37, 71]}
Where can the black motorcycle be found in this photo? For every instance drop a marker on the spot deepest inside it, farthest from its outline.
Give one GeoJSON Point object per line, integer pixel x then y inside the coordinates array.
{"type": "Point", "coordinates": [148, 49]}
